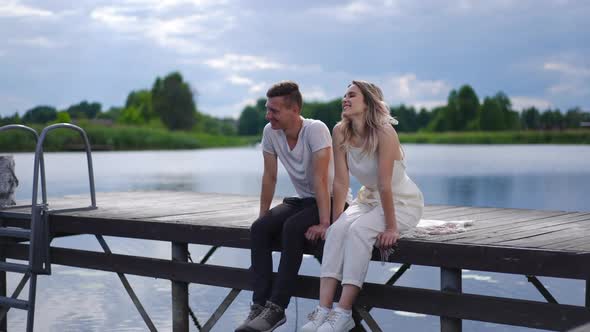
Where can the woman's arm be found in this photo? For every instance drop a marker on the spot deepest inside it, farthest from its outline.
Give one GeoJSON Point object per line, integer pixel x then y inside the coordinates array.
{"type": "Point", "coordinates": [388, 150]}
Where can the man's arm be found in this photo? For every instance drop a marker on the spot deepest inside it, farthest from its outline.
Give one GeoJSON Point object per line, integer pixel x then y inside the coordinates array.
{"type": "Point", "coordinates": [269, 181]}
{"type": "Point", "coordinates": [321, 163]}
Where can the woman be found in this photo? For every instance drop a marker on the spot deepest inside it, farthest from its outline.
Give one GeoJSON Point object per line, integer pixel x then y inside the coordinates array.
{"type": "Point", "coordinates": [387, 204]}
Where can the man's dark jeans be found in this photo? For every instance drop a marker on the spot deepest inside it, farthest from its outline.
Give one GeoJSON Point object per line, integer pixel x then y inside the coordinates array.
{"type": "Point", "coordinates": [285, 224]}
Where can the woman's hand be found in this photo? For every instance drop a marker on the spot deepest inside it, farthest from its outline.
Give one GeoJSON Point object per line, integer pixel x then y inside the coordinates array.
{"type": "Point", "coordinates": [387, 238]}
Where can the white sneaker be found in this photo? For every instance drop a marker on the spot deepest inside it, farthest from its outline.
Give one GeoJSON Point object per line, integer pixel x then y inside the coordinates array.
{"type": "Point", "coordinates": [337, 321]}
{"type": "Point", "coordinates": [316, 318]}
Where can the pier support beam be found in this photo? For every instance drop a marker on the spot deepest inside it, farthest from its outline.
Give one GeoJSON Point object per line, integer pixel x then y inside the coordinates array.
{"type": "Point", "coordinates": [450, 281]}
{"type": "Point", "coordinates": [179, 291]}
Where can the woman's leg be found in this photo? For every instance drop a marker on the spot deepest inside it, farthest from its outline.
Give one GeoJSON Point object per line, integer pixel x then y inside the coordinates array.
{"type": "Point", "coordinates": [359, 248]}
{"type": "Point", "coordinates": [333, 256]}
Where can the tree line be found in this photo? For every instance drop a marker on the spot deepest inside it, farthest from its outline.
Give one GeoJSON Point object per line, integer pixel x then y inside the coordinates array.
{"type": "Point", "coordinates": [170, 103]}
{"type": "Point", "coordinates": [463, 112]}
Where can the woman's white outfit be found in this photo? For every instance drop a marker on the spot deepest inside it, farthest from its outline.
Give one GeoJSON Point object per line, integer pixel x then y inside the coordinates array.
{"type": "Point", "coordinates": [350, 240]}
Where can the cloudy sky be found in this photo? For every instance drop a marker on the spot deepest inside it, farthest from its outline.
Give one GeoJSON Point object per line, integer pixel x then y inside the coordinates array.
{"type": "Point", "coordinates": [59, 52]}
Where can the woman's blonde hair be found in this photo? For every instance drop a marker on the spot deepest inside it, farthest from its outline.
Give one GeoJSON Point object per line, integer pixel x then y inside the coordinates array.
{"type": "Point", "coordinates": [376, 116]}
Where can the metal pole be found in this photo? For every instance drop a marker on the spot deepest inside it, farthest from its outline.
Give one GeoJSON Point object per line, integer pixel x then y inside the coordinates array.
{"type": "Point", "coordinates": [450, 281]}
{"type": "Point", "coordinates": [179, 291]}
{"type": "Point", "coordinates": [4, 320]}
{"type": "Point", "coordinates": [588, 293]}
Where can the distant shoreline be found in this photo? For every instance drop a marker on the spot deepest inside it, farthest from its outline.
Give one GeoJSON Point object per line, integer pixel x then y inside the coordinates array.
{"type": "Point", "coordinates": [127, 138]}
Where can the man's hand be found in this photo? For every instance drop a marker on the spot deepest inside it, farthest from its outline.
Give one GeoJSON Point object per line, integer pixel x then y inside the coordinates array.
{"type": "Point", "coordinates": [387, 238]}
{"type": "Point", "coordinates": [316, 232]}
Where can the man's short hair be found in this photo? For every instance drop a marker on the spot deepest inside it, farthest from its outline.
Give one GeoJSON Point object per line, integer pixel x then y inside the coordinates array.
{"type": "Point", "coordinates": [287, 89]}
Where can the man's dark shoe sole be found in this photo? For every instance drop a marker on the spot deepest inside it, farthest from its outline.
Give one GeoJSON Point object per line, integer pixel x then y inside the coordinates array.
{"type": "Point", "coordinates": [279, 323]}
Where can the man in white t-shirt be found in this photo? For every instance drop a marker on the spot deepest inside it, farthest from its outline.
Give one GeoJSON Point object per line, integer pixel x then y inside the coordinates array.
{"type": "Point", "coordinates": [304, 147]}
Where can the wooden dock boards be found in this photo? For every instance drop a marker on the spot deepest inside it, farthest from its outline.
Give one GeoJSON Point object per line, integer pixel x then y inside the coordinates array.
{"type": "Point", "coordinates": [552, 242]}
{"type": "Point", "coordinates": [528, 242]}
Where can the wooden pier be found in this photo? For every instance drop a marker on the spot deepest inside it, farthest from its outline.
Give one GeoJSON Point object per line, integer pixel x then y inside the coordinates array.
{"type": "Point", "coordinates": [526, 242]}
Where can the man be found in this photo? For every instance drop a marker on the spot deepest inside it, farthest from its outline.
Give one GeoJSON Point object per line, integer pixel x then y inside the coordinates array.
{"type": "Point", "coordinates": [304, 148]}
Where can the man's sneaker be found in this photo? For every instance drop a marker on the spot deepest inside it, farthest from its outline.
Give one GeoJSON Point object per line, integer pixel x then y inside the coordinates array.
{"type": "Point", "coordinates": [337, 321]}
{"type": "Point", "coordinates": [255, 310]}
{"type": "Point", "coordinates": [316, 318]}
{"type": "Point", "coordinates": [269, 319]}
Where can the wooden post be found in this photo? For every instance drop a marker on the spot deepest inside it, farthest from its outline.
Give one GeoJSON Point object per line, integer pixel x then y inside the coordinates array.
{"type": "Point", "coordinates": [8, 181]}
{"type": "Point", "coordinates": [450, 281]}
{"type": "Point", "coordinates": [179, 291]}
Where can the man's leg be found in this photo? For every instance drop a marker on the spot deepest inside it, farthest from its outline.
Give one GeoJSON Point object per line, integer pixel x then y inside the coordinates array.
{"type": "Point", "coordinates": [262, 233]}
{"type": "Point", "coordinates": [293, 242]}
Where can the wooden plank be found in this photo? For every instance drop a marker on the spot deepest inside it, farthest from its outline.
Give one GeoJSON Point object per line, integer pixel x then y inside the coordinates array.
{"type": "Point", "coordinates": [500, 222]}
{"type": "Point", "coordinates": [462, 306]}
{"type": "Point", "coordinates": [474, 235]}
{"type": "Point", "coordinates": [547, 226]}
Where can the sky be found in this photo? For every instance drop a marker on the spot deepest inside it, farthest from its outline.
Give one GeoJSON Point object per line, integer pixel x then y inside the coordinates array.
{"type": "Point", "coordinates": [60, 52]}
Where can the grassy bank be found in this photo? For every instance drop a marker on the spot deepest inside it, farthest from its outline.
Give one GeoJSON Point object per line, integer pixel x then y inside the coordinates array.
{"type": "Point", "coordinates": [142, 138]}
{"type": "Point", "coordinates": [121, 138]}
{"type": "Point", "coordinates": [570, 136]}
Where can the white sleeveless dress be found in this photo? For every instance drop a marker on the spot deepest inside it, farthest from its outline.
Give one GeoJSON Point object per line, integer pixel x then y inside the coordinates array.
{"type": "Point", "coordinates": [350, 240]}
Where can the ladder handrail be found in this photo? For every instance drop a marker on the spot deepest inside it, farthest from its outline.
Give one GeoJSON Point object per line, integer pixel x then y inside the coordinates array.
{"type": "Point", "coordinates": [41, 163]}
{"type": "Point", "coordinates": [39, 156]}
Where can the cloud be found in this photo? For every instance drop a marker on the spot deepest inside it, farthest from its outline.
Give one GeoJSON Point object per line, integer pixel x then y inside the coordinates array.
{"type": "Point", "coordinates": [428, 104]}
{"type": "Point", "coordinates": [359, 10]}
{"type": "Point", "coordinates": [166, 24]}
{"type": "Point", "coordinates": [39, 42]}
{"type": "Point", "coordinates": [408, 89]}
{"type": "Point", "coordinates": [240, 62]}
{"type": "Point", "coordinates": [16, 9]}
{"type": "Point", "coordinates": [232, 110]}
{"type": "Point", "coordinates": [573, 79]}
{"type": "Point", "coordinates": [567, 69]}
{"type": "Point", "coordinates": [314, 93]}
{"type": "Point", "coordinates": [240, 80]}
{"type": "Point", "coordinates": [521, 102]}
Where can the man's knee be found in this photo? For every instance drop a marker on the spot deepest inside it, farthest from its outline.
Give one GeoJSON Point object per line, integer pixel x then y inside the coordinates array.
{"type": "Point", "coordinates": [260, 227]}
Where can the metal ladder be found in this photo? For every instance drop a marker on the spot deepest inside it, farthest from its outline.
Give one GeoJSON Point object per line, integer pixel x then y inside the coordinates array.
{"type": "Point", "coordinates": [38, 235]}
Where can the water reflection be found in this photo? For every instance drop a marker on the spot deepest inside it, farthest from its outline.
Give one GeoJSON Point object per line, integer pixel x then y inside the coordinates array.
{"type": "Point", "coordinates": [537, 177]}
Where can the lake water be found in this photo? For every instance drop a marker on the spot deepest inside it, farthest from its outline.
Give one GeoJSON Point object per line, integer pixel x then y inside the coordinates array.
{"type": "Point", "coordinates": [545, 177]}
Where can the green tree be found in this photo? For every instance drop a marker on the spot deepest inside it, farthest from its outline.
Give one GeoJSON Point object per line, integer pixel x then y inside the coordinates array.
{"type": "Point", "coordinates": [249, 121]}
{"type": "Point", "coordinates": [63, 117]}
{"type": "Point", "coordinates": [112, 114]}
{"type": "Point", "coordinates": [407, 118]}
{"type": "Point", "coordinates": [530, 118]}
{"type": "Point", "coordinates": [423, 118]}
{"type": "Point", "coordinates": [253, 118]}
{"type": "Point", "coordinates": [84, 110]}
{"type": "Point", "coordinates": [14, 119]}
{"type": "Point", "coordinates": [492, 115]}
{"type": "Point", "coordinates": [172, 100]}
{"type": "Point", "coordinates": [462, 108]}
{"type": "Point", "coordinates": [574, 117]}
{"type": "Point", "coordinates": [552, 119]}
{"type": "Point", "coordinates": [131, 116]}
{"type": "Point", "coordinates": [40, 114]}
{"type": "Point", "coordinates": [327, 112]}
{"type": "Point", "coordinates": [142, 101]}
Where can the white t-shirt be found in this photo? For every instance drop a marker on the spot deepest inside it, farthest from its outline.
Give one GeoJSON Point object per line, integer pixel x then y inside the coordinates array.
{"type": "Point", "coordinates": [313, 136]}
